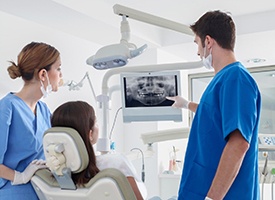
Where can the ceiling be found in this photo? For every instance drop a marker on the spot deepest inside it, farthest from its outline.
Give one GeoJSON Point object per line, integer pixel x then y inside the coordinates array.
{"type": "Point", "coordinates": [95, 21]}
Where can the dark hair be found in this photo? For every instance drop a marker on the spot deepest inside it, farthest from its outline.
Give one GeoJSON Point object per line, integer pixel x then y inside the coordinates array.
{"type": "Point", "coordinates": [80, 116]}
{"type": "Point", "coordinates": [32, 58]}
{"type": "Point", "coordinates": [219, 26]}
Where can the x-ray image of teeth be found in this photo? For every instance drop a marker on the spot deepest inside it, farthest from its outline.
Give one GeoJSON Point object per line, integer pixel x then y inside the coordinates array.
{"type": "Point", "coordinates": [150, 90]}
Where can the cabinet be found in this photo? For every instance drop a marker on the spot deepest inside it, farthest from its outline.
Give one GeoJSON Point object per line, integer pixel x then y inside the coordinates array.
{"type": "Point", "coordinates": [169, 185]}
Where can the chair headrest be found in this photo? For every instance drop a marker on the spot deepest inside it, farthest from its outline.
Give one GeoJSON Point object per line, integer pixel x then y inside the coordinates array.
{"type": "Point", "coordinates": [74, 151]}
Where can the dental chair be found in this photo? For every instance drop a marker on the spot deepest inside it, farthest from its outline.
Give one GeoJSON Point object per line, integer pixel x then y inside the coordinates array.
{"type": "Point", "coordinates": [66, 146]}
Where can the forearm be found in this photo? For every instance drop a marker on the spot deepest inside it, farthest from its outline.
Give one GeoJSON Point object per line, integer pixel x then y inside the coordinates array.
{"type": "Point", "coordinates": [193, 106]}
{"type": "Point", "coordinates": [6, 172]}
{"type": "Point", "coordinates": [229, 166]}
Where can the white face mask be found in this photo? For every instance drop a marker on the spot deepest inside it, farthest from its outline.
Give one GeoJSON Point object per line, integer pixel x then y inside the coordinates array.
{"type": "Point", "coordinates": [207, 61]}
{"type": "Point", "coordinates": [48, 89]}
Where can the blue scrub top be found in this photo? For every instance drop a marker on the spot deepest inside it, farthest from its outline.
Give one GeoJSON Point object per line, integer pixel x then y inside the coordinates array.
{"type": "Point", "coordinates": [21, 133]}
{"type": "Point", "coordinates": [231, 101]}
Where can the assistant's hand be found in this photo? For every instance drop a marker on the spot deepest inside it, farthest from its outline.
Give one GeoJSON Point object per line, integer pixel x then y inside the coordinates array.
{"type": "Point", "coordinates": [179, 102]}
{"type": "Point", "coordinates": [26, 175]}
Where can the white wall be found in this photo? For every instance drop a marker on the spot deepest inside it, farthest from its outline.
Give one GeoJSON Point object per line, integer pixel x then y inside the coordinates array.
{"type": "Point", "coordinates": [16, 33]}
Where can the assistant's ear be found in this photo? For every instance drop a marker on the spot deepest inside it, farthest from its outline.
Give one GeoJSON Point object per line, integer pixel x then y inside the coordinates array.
{"type": "Point", "coordinates": [42, 74]}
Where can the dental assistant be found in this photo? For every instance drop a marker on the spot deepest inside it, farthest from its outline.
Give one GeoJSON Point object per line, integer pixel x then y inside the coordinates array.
{"type": "Point", "coordinates": [24, 118]}
{"type": "Point", "coordinates": [221, 160]}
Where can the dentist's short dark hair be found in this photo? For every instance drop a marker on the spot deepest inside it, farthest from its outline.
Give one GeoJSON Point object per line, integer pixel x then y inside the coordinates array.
{"type": "Point", "coordinates": [219, 26]}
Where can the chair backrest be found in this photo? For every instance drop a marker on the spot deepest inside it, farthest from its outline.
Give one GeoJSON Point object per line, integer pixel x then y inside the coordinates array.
{"type": "Point", "coordinates": [66, 145]}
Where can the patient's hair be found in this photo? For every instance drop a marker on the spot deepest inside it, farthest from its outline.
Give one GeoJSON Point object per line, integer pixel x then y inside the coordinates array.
{"type": "Point", "coordinates": [80, 116]}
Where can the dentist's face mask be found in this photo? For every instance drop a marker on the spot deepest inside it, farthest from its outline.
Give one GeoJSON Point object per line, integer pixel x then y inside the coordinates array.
{"type": "Point", "coordinates": [48, 89]}
{"type": "Point", "coordinates": [207, 61]}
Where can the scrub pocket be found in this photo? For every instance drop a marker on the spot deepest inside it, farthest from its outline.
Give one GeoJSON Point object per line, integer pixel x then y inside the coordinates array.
{"type": "Point", "coordinates": [199, 179]}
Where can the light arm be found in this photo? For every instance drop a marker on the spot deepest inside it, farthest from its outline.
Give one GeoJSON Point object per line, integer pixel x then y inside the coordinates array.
{"type": "Point", "coordinates": [151, 19]}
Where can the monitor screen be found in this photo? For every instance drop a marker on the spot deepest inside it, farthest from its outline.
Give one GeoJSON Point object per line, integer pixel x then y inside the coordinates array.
{"type": "Point", "coordinates": [144, 96]}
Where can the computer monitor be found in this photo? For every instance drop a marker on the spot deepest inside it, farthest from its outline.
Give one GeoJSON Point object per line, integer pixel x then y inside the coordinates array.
{"type": "Point", "coordinates": [144, 96]}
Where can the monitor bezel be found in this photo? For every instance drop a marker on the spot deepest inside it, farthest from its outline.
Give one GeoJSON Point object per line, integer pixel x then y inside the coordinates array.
{"type": "Point", "coordinates": [154, 113]}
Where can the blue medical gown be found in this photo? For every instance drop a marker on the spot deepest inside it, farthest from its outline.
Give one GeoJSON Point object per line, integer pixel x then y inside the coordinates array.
{"type": "Point", "coordinates": [21, 133]}
{"type": "Point", "coordinates": [231, 101]}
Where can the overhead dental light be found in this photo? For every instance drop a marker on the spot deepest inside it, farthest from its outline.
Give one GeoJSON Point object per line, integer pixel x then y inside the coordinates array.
{"type": "Point", "coordinates": [116, 55]}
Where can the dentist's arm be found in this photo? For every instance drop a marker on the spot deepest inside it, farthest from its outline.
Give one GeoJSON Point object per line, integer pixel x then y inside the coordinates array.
{"type": "Point", "coordinates": [229, 165]}
{"type": "Point", "coordinates": [193, 106]}
{"type": "Point", "coordinates": [180, 102]}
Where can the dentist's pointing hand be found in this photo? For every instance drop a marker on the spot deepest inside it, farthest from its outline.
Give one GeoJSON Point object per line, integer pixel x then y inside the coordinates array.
{"type": "Point", "coordinates": [179, 102]}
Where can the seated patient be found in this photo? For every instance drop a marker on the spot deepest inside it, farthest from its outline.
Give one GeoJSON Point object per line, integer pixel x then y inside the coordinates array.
{"type": "Point", "coordinates": [80, 116]}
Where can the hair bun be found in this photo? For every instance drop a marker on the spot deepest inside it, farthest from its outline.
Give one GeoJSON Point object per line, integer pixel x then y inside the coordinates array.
{"type": "Point", "coordinates": [14, 71]}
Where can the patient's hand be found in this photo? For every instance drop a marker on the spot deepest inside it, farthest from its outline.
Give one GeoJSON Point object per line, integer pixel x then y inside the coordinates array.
{"type": "Point", "coordinates": [53, 163]}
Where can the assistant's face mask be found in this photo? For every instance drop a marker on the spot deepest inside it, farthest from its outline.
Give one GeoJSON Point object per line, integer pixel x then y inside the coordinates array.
{"type": "Point", "coordinates": [48, 89]}
{"type": "Point", "coordinates": [207, 61]}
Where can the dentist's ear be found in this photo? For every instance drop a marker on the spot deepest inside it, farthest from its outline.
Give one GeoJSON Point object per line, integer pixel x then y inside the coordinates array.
{"type": "Point", "coordinates": [208, 41]}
